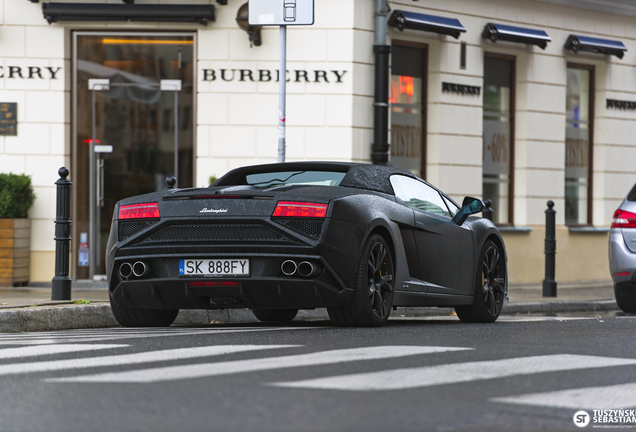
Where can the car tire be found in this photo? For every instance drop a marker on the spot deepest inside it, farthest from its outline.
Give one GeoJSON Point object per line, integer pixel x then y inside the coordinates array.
{"type": "Point", "coordinates": [372, 290]}
{"type": "Point", "coordinates": [490, 286]}
{"type": "Point", "coordinates": [625, 297]}
{"type": "Point", "coordinates": [135, 317]}
{"type": "Point", "coordinates": [274, 315]}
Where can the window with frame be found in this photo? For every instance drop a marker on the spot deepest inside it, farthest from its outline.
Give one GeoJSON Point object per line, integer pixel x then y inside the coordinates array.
{"type": "Point", "coordinates": [498, 138]}
{"type": "Point", "coordinates": [408, 109]}
{"type": "Point", "coordinates": [578, 144]}
{"type": "Point", "coordinates": [419, 195]}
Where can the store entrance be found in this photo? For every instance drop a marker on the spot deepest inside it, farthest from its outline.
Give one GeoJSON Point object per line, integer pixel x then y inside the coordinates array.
{"type": "Point", "coordinates": [133, 109]}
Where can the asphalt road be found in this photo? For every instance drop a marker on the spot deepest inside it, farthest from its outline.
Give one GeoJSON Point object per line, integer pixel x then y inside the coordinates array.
{"type": "Point", "coordinates": [432, 374]}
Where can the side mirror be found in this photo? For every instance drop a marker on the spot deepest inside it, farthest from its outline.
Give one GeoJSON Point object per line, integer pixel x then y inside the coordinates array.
{"type": "Point", "coordinates": [469, 206]}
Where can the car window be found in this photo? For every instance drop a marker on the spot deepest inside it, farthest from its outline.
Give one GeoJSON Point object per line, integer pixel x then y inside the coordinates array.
{"type": "Point", "coordinates": [418, 195]}
{"type": "Point", "coordinates": [451, 206]}
{"type": "Point", "coordinates": [285, 178]}
{"type": "Point", "coordinates": [632, 194]}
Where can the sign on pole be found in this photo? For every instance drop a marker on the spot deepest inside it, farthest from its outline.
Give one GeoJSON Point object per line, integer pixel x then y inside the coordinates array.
{"type": "Point", "coordinates": [281, 13]}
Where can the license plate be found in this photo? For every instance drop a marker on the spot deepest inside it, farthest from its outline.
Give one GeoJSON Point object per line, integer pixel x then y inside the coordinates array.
{"type": "Point", "coordinates": [214, 267]}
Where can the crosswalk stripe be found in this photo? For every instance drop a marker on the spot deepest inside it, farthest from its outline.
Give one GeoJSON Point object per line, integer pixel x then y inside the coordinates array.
{"type": "Point", "coordinates": [241, 366]}
{"type": "Point", "coordinates": [127, 359]}
{"type": "Point", "coordinates": [32, 351]}
{"type": "Point", "coordinates": [128, 331]}
{"type": "Point", "coordinates": [398, 379]}
{"type": "Point", "coordinates": [82, 338]}
{"type": "Point", "coordinates": [608, 397]}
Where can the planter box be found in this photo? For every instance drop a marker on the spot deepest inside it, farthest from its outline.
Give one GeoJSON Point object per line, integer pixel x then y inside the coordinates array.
{"type": "Point", "coordinates": [15, 253]}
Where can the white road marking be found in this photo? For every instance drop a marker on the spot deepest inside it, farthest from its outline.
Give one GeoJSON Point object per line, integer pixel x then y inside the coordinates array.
{"type": "Point", "coordinates": [126, 359]}
{"type": "Point", "coordinates": [609, 397]}
{"type": "Point", "coordinates": [242, 366]}
{"type": "Point", "coordinates": [502, 318]}
{"type": "Point", "coordinates": [66, 338]}
{"type": "Point", "coordinates": [38, 350]}
{"type": "Point", "coordinates": [399, 379]}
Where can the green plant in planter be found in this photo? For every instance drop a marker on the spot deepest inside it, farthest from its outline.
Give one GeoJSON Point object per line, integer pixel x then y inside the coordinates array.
{"type": "Point", "coordinates": [16, 196]}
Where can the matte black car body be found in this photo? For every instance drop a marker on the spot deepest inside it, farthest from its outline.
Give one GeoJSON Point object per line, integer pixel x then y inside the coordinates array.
{"type": "Point", "coordinates": [435, 260]}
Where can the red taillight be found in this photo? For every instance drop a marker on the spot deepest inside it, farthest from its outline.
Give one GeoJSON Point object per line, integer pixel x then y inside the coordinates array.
{"type": "Point", "coordinates": [211, 284]}
{"type": "Point", "coordinates": [139, 211]}
{"type": "Point", "coordinates": [623, 219]}
{"type": "Point", "coordinates": [300, 209]}
{"type": "Point", "coordinates": [622, 274]}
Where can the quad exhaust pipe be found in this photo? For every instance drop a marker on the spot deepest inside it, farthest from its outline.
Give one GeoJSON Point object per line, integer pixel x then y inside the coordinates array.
{"type": "Point", "coordinates": [138, 269]}
{"type": "Point", "coordinates": [307, 269]}
{"type": "Point", "coordinates": [288, 268]}
{"type": "Point", "coordinates": [125, 270]}
{"type": "Point", "coordinates": [304, 269]}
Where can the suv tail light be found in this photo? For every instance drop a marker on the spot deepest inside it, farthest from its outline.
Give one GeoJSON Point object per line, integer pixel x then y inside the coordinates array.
{"type": "Point", "coordinates": [300, 209]}
{"type": "Point", "coordinates": [139, 211]}
{"type": "Point", "coordinates": [623, 219]}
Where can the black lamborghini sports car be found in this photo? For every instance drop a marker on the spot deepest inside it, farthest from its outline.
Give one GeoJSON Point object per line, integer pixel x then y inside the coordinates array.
{"type": "Point", "coordinates": [353, 238]}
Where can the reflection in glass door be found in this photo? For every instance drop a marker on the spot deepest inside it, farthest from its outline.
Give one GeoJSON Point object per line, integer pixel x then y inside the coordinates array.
{"type": "Point", "coordinates": [132, 125]}
{"type": "Point", "coordinates": [408, 109]}
{"type": "Point", "coordinates": [578, 136]}
{"type": "Point", "coordinates": [498, 141]}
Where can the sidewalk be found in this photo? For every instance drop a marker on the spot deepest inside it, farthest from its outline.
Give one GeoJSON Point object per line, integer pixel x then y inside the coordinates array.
{"type": "Point", "coordinates": [31, 308]}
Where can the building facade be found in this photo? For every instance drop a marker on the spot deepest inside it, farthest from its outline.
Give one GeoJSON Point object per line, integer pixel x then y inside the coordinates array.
{"type": "Point", "coordinates": [496, 117]}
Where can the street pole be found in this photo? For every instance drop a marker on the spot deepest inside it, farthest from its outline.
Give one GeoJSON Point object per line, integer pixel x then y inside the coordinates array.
{"type": "Point", "coordinates": [61, 284]}
{"type": "Point", "coordinates": [92, 198]}
{"type": "Point", "coordinates": [382, 51]}
{"type": "Point", "coordinates": [487, 211]}
{"type": "Point", "coordinates": [176, 135]}
{"type": "Point", "coordinates": [549, 283]}
{"type": "Point", "coordinates": [282, 92]}
{"type": "Point", "coordinates": [280, 13]}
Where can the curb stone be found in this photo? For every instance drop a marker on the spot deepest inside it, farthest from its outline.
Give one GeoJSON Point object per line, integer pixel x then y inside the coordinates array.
{"type": "Point", "coordinates": [560, 306]}
{"type": "Point", "coordinates": [66, 317]}
{"type": "Point", "coordinates": [57, 318]}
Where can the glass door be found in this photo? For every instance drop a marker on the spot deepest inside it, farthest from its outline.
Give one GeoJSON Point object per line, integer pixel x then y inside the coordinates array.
{"type": "Point", "coordinates": [498, 139]}
{"type": "Point", "coordinates": [408, 108]}
{"type": "Point", "coordinates": [578, 144]}
{"type": "Point", "coordinates": [133, 127]}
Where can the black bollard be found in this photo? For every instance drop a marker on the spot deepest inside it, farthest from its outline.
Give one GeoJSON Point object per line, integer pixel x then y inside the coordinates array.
{"type": "Point", "coordinates": [549, 283]}
{"type": "Point", "coordinates": [487, 211]}
{"type": "Point", "coordinates": [62, 282]}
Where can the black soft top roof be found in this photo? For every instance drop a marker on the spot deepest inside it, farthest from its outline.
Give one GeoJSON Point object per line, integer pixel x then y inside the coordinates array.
{"type": "Point", "coordinates": [361, 176]}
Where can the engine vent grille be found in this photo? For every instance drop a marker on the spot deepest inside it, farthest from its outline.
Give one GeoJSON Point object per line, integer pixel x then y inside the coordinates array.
{"type": "Point", "coordinates": [129, 229]}
{"type": "Point", "coordinates": [216, 233]}
{"type": "Point", "coordinates": [309, 227]}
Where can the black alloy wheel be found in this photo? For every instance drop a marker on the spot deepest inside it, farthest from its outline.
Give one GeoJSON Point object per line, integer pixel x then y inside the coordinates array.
{"type": "Point", "coordinates": [275, 315]}
{"type": "Point", "coordinates": [136, 317]}
{"type": "Point", "coordinates": [373, 289]}
{"type": "Point", "coordinates": [490, 287]}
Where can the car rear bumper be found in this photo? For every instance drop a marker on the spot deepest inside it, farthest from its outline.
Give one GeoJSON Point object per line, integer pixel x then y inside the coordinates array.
{"type": "Point", "coordinates": [621, 259]}
{"type": "Point", "coordinates": [265, 288]}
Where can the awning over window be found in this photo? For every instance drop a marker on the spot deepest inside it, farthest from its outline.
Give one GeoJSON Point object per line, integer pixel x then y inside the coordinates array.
{"type": "Point", "coordinates": [577, 43]}
{"type": "Point", "coordinates": [201, 14]}
{"type": "Point", "coordinates": [495, 32]}
{"type": "Point", "coordinates": [417, 21]}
